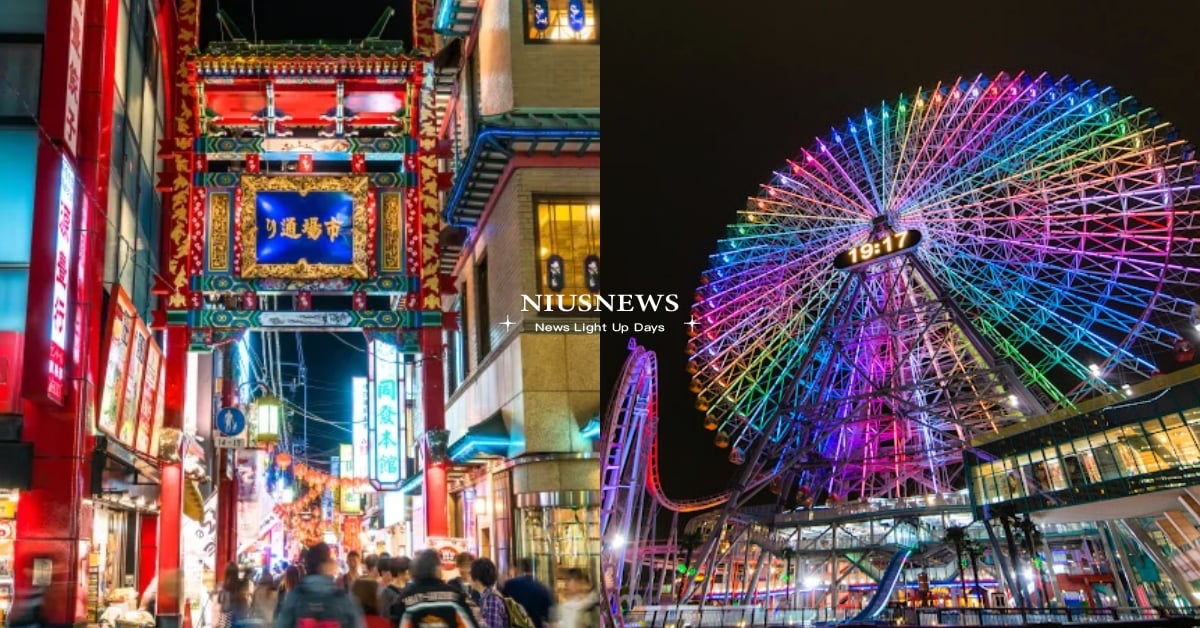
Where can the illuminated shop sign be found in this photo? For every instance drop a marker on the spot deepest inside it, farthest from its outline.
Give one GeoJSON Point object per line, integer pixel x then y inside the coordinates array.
{"type": "Point", "coordinates": [360, 437]}
{"type": "Point", "coordinates": [74, 78]}
{"type": "Point", "coordinates": [384, 423]}
{"type": "Point", "coordinates": [349, 499]}
{"type": "Point", "coordinates": [122, 321]}
{"type": "Point", "coordinates": [61, 301]}
{"type": "Point", "coordinates": [304, 227]}
{"type": "Point", "coordinates": [314, 227]}
{"type": "Point", "coordinates": [131, 402]}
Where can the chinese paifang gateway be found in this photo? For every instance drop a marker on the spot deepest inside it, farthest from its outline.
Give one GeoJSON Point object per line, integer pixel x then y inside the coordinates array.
{"type": "Point", "coordinates": [600, 303]}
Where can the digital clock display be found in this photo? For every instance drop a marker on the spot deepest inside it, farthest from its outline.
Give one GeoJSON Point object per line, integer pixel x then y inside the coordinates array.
{"type": "Point", "coordinates": [873, 250]}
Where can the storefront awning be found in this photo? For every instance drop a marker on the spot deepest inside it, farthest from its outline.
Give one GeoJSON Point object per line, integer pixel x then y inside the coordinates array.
{"type": "Point", "coordinates": [115, 467]}
{"type": "Point", "coordinates": [412, 485]}
{"type": "Point", "coordinates": [486, 439]}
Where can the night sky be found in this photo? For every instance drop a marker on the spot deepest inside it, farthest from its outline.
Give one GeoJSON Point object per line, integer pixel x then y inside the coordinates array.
{"type": "Point", "coordinates": [704, 100]}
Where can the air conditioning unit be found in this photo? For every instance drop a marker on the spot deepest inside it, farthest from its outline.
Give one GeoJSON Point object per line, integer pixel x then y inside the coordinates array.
{"type": "Point", "coordinates": [12, 349]}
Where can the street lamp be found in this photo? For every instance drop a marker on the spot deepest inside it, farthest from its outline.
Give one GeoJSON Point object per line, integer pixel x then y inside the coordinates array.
{"type": "Point", "coordinates": [267, 412]}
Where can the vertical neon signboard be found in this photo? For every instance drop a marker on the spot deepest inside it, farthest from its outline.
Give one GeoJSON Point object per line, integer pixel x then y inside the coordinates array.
{"type": "Point", "coordinates": [61, 301]}
{"type": "Point", "coordinates": [384, 425]}
{"type": "Point", "coordinates": [360, 438]}
{"type": "Point", "coordinates": [349, 499]}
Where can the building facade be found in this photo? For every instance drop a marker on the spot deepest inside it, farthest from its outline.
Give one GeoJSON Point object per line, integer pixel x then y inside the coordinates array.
{"type": "Point", "coordinates": [519, 90]}
{"type": "Point", "coordinates": [79, 140]}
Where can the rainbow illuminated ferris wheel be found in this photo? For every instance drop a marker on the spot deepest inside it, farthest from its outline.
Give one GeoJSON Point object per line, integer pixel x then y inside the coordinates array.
{"type": "Point", "coordinates": [941, 266]}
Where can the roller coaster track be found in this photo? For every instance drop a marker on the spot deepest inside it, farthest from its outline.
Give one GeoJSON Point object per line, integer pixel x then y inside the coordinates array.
{"type": "Point", "coordinates": [632, 491]}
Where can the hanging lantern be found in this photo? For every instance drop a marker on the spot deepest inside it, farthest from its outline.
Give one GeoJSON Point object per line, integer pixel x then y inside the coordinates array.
{"type": "Point", "coordinates": [591, 273]}
{"type": "Point", "coordinates": [554, 273]}
{"type": "Point", "coordinates": [541, 15]}
{"type": "Point", "coordinates": [268, 413]}
{"type": "Point", "coordinates": [284, 460]}
{"type": "Point", "coordinates": [575, 15]}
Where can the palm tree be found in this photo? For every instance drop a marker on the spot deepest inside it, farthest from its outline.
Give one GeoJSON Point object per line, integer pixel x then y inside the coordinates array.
{"type": "Point", "coordinates": [975, 549]}
{"type": "Point", "coordinates": [957, 536]}
{"type": "Point", "coordinates": [787, 553]}
{"type": "Point", "coordinates": [689, 541]}
{"type": "Point", "coordinates": [1033, 538]}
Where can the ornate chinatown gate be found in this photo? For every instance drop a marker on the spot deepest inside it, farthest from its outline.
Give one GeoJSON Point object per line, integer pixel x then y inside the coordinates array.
{"type": "Point", "coordinates": [303, 196]}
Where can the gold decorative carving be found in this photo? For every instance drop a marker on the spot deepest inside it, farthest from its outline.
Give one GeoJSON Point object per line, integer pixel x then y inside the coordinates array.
{"type": "Point", "coordinates": [218, 232]}
{"type": "Point", "coordinates": [358, 187]}
{"type": "Point", "coordinates": [431, 215]}
{"type": "Point", "coordinates": [392, 226]}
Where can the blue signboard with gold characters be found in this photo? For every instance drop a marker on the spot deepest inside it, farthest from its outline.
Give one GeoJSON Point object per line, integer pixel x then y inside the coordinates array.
{"type": "Point", "coordinates": [304, 227]}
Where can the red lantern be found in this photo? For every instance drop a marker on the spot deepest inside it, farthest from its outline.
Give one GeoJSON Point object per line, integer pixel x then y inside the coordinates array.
{"type": "Point", "coordinates": [284, 460]}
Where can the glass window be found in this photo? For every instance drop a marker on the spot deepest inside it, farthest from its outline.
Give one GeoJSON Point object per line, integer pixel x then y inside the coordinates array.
{"type": "Point", "coordinates": [149, 119]}
{"type": "Point", "coordinates": [122, 57]}
{"type": "Point", "coordinates": [112, 237]}
{"type": "Point", "coordinates": [125, 259]}
{"type": "Point", "coordinates": [23, 16]}
{"type": "Point", "coordinates": [137, 22]}
{"type": "Point", "coordinates": [548, 21]}
{"type": "Point", "coordinates": [483, 323]}
{"type": "Point", "coordinates": [14, 290]}
{"type": "Point", "coordinates": [18, 162]}
{"type": "Point", "coordinates": [133, 90]}
{"type": "Point", "coordinates": [567, 228]}
{"type": "Point", "coordinates": [21, 68]}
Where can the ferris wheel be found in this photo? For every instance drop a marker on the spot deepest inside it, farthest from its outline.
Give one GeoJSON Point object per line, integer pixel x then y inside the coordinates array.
{"type": "Point", "coordinates": [941, 266]}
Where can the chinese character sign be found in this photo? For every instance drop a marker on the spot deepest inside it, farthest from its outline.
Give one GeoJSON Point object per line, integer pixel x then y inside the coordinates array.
{"type": "Point", "coordinates": [316, 227]}
{"type": "Point", "coordinates": [384, 458]}
{"type": "Point", "coordinates": [360, 439]}
{"type": "Point", "coordinates": [349, 500]}
{"type": "Point", "coordinates": [61, 303]}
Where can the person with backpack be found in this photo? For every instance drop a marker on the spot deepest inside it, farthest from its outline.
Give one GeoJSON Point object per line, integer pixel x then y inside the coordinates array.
{"type": "Point", "coordinates": [427, 600]}
{"type": "Point", "coordinates": [317, 601]}
{"type": "Point", "coordinates": [533, 596]}
{"type": "Point", "coordinates": [498, 611]}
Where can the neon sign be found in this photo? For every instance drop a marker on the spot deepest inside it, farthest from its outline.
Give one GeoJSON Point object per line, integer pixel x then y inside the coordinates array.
{"type": "Point", "coordinates": [74, 78]}
{"type": "Point", "coordinates": [361, 439]}
{"type": "Point", "coordinates": [384, 423]}
{"type": "Point", "coordinates": [61, 295]}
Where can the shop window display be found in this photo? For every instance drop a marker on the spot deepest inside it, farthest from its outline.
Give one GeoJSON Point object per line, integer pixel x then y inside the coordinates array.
{"type": "Point", "coordinates": [558, 539]}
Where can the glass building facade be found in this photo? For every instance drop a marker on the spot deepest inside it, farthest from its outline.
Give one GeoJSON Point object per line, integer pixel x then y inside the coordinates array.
{"type": "Point", "coordinates": [132, 242]}
{"type": "Point", "coordinates": [1146, 444]}
{"type": "Point", "coordinates": [22, 28]}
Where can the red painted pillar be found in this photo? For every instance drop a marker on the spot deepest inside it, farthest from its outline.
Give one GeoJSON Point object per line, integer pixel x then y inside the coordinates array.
{"type": "Point", "coordinates": [425, 131]}
{"type": "Point", "coordinates": [170, 495]}
{"type": "Point", "coordinates": [226, 488]}
{"type": "Point", "coordinates": [434, 401]}
{"type": "Point", "coordinates": [147, 552]}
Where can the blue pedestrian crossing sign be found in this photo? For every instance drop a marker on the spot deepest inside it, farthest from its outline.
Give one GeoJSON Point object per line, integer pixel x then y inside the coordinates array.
{"type": "Point", "coordinates": [231, 421]}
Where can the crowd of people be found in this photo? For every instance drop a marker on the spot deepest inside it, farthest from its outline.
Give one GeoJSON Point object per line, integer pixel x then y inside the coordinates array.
{"type": "Point", "coordinates": [398, 592]}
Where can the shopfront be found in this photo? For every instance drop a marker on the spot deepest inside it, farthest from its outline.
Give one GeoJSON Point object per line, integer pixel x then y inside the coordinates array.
{"type": "Point", "coordinates": [123, 554]}
{"type": "Point", "coordinates": [9, 500]}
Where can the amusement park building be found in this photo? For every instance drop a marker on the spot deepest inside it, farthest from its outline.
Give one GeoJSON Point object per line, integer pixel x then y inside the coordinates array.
{"type": "Point", "coordinates": [520, 82]}
{"type": "Point", "coordinates": [84, 94]}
